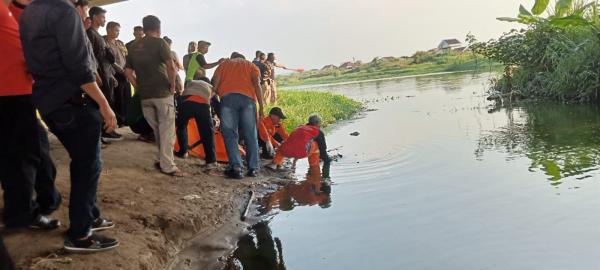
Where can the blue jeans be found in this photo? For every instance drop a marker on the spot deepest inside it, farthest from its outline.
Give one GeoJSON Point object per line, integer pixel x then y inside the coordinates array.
{"type": "Point", "coordinates": [78, 128]}
{"type": "Point", "coordinates": [238, 112]}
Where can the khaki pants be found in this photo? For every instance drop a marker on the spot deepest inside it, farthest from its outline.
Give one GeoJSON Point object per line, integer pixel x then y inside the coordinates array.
{"type": "Point", "coordinates": [274, 95]}
{"type": "Point", "coordinates": [160, 114]}
{"type": "Point", "coordinates": [267, 92]}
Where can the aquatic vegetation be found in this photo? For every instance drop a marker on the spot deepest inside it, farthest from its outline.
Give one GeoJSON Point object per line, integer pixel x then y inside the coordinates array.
{"type": "Point", "coordinates": [555, 57]}
{"type": "Point", "coordinates": [299, 105]}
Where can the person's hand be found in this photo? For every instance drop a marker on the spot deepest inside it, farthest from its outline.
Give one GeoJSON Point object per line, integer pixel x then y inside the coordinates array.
{"type": "Point", "coordinates": [270, 148]}
{"type": "Point", "coordinates": [109, 117]}
{"type": "Point", "coordinates": [98, 80]}
{"type": "Point", "coordinates": [114, 81]}
{"type": "Point", "coordinates": [173, 88]}
{"type": "Point", "coordinates": [222, 60]}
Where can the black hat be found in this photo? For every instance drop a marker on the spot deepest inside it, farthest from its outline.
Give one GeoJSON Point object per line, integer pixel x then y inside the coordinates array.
{"type": "Point", "coordinates": [277, 111]}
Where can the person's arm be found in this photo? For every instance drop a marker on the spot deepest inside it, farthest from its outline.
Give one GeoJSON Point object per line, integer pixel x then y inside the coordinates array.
{"type": "Point", "coordinates": [263, 134]}
{"type": "Point", "coordinates": [178, 64]}
{"type": "Point", "coordinates": [320, 140]}
{"type": "Point", "coordinates": [166, 57]}
{"type": "Point", "coordinates": [131, 78]}
{"type": "Point", "coordinates": [280, 66]}
{"type": "Point", "coordinates": [68, 30]}
{"type": "Point", "coordinates": [205, 65]}
{"type": "Point", "coordinates": [94, 92]}
{"type": "Point", "coordinates": [129, 72]}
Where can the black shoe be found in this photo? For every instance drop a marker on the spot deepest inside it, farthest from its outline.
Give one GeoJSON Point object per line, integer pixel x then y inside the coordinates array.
{"type": "Point", "coordinates": [44, 223]}
{"type": "Point", "coordinates": [252, 173]}
{"type": "Point", "coordinates": [104, 141]}
{"type": "Point", "coordinates": [102, 224]}
{"type": "Point", "coordinates": [111, 137]}
{"type": "Point", "coordinates": [180, 155]}
{"type": "Point", "coordinates": [235, 174]}
{"type": "Point", "coordinates": [94, 243]}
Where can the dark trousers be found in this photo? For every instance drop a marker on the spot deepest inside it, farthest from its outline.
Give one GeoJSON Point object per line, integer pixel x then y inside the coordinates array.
{"type": "Point", "coordinates": [5, 261]}
{"type": "Point", "coordinates": [25, 164]}
{"type": "Point", "coordinates": [141, 127]}
{"type": "Point", "coordinates": [78, 129]}
{"type": "Point", "coordinates": [204, 122]}
{"type": "Point", "coordinates": [122, 98]}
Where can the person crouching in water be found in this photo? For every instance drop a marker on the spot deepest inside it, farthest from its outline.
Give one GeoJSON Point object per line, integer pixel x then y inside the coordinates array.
{"type": "Point", "coordinates": [305, 141]}
{"type": "Point", "coordinates": [196, 104]}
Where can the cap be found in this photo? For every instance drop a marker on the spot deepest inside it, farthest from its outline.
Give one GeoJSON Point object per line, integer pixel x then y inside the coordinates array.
{"type": "Point", "coordinates": [202, 42]}
{"type": "Point", "coordinates": [278, 112]}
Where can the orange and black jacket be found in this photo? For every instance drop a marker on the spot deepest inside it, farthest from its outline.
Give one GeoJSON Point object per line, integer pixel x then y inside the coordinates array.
{"type": "Point", "coordinates": [267, 131]}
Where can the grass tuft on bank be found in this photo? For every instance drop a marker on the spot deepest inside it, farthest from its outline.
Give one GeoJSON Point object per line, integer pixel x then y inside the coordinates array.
{"type": "Point", "coordinates": [299, 105]}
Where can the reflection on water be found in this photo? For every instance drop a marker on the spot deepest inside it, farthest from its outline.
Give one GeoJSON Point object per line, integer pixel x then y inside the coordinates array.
{"type": "Point", "coordinates": [259, 250]}
{"type": "Point", "coordinates": [312, 191]}
{"type": "Point", "coordinates": [436, 181]}
{"type": "Point", "coordinates": [560, 140]}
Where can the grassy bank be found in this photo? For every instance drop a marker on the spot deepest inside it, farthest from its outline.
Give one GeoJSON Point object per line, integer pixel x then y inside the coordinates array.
{"type": "Point", "coordinates": [299, 105]}
{"type": "Point", "coordinates": [419, 63]}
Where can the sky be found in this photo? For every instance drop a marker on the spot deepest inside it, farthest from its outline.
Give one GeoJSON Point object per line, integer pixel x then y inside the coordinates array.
{"type": "Point", "coordinates": [313, 33]}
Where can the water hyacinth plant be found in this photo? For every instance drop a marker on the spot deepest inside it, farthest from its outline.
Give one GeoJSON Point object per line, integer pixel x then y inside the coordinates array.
{"type": "Point", "coordinates": [556, 56]}
{"type": "Point", "coordinates": [299, 105]}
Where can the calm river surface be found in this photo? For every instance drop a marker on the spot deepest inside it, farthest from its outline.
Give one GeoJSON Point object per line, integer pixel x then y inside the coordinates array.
{"type": "Point", "coordinates": [435, 181]}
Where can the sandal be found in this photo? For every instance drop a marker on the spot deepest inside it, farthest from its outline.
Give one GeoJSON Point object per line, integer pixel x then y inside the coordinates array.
{"type": "Point", "coordinates": [176, 173]}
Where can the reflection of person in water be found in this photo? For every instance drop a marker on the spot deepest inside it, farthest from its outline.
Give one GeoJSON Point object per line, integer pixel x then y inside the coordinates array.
{"type": "Point", "coordinates": [264, 254]}
{"type": "Point", "coordinates": [261, 251]}
{"type": "Point", "coordinates": [310, 192]}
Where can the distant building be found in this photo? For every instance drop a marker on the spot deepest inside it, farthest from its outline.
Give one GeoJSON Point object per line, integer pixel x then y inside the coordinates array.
{"type": "Point", "coordinates": [450, 44]}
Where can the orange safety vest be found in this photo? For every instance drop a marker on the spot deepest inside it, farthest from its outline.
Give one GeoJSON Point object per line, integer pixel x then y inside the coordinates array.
{"type": "Point", "coordinates": [298, 145]}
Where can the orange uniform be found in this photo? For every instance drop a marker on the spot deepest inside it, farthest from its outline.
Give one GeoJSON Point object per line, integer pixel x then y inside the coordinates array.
{"type": "Point", "coordinates": [236, 76]}
{"type": "Point", "coordinates": [267, 130]}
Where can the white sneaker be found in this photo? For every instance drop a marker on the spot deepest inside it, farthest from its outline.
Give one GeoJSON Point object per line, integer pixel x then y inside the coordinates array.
{"type": "Point", "coordinates": [211, 166]}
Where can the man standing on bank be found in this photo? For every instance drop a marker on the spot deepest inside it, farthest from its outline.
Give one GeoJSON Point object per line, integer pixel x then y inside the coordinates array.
{"type": "Point", "coordinates": [73, 106]}
{"type": "Point", "coordinates": [151, 70]}
{"type": "Point", "coordinates": [237, 82]}
{"type": "Point", "coordinates": [25, 164]}
{"type": "Point", "coordinates": [105, 60]}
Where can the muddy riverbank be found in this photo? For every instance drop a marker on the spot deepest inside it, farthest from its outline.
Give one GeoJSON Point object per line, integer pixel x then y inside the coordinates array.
{"type": "Point", "coordinates": [155, 215]}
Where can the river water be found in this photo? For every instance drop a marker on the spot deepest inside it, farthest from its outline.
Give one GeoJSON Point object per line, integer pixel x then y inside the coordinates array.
{"type": "Point", "coordinates": [437, 180]}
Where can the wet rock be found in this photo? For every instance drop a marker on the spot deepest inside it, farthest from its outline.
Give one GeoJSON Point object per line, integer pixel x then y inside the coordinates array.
{"type": "Point", "coordinates": [356, 133]}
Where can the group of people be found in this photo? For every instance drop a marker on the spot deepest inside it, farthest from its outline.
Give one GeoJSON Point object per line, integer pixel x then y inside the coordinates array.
{"type": "Point", "coordinates": [56, 62]}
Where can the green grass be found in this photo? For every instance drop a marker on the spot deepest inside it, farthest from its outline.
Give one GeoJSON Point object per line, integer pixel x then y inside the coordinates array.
{"type": "Point", "coordinates": [299, 105]}
{"type": "Point", "coordinates": [420, 63]}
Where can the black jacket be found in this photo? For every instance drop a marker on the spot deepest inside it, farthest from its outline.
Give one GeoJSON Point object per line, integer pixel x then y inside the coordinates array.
{"type": "Point", "coordinates": [56, 52]}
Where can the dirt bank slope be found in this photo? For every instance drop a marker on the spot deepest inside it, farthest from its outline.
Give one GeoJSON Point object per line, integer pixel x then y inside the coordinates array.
{"type": "Point", "coordinates": [153, 218]}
